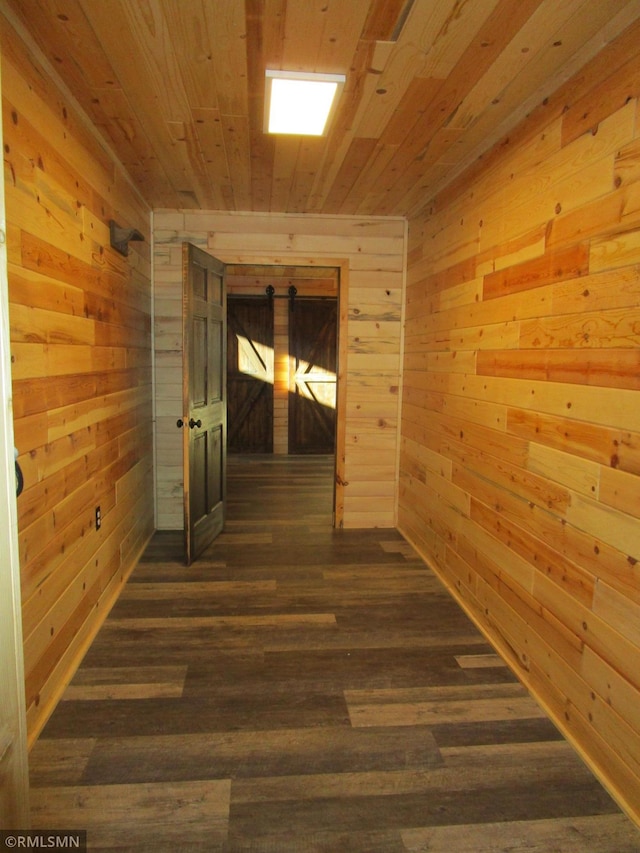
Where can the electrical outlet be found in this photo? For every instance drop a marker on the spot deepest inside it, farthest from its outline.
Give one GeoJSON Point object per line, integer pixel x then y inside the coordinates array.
{"type": "Point", "coordinates": [98, 518]}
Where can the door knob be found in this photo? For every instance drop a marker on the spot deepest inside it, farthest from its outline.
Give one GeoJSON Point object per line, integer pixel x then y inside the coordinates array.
{"type": "Point", "coordinates": [179, 423]}
{"type": "Point", "coordinates": [193, 423]}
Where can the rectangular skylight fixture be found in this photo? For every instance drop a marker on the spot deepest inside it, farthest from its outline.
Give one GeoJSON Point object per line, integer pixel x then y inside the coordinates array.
{"type": "Point", "coordinates": [300, 102]}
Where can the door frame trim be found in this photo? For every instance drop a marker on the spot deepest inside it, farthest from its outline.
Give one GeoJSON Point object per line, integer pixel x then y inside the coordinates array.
{"type": "Point", "coordinates": [342, 266]}
{"type": "Point", "coordinates": [14, 770]}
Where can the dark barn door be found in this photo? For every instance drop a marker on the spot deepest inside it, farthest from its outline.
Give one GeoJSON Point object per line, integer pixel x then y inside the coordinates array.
{"type": "Point", "coordinates": [249, 375]}
{"type": "Point", "coordinates": [313, 358]}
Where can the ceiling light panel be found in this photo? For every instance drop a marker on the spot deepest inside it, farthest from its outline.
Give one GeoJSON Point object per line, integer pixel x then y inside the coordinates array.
{"type": "Point", "coordinates": [297, 102]}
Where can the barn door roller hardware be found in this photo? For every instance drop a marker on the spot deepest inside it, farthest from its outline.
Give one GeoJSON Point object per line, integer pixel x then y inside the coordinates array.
{"type": "Point", "coordinates": [270, 291]}
{"type": "Point", "coordinates": [120, 237]}
{"type": "Point", "coordinates": [271, 294]}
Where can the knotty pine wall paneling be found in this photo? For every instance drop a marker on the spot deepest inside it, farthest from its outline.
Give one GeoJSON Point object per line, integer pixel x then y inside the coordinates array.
{"type": "Point", "coordinates": [81, 370]}
{"type": "Point", "coordinates": [520, 448]}
{"type": "Point", "coordinates": [372, 255]}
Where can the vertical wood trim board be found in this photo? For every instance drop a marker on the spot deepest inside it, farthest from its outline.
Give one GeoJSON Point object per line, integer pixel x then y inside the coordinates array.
{"type": "Point", "coordinates": [14, 769]}
{"type": "Point", "coordinates": [371, 253]}
{"type": "Point", "coordinates": [80, 317]}
{"type": "Point", "coordinates": [520, 447]}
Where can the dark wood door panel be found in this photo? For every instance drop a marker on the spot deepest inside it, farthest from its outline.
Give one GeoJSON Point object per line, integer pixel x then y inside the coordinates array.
{"type": "Point", "coordinates": [250, 374]}
{"type": "Point", "coordinates": [313, 384]}
{"type": "Point", "coordinates": [204, 391]}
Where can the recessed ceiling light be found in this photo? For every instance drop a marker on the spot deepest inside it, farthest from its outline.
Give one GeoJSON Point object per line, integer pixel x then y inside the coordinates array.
{"type": "Point", "coordinates": [298, 102]}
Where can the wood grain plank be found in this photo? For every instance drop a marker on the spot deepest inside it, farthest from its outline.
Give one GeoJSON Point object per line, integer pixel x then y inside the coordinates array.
{"type": "Point", "coordinates": [126, 683]}
{"type": "Point", "coordinates": [599, 833]}
{"type": "Point", "coordinates": [607, 368]}
{"type": "Point", "coordinates": [182, 811]}
{"type": "Point", "coordinates": [552, 267]}
{"type": "Point", "coordinates": [432, 707]}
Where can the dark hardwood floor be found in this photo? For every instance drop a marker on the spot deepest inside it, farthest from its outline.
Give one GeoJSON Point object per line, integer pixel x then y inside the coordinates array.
{"type": "Point", "coordinates": [301, 689]}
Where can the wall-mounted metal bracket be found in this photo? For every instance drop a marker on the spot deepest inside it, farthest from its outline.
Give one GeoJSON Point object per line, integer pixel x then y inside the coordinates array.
{"type": "Point", "coordinates": [19, 477]}
{"type": "Point", "coordinates": [120, 237]}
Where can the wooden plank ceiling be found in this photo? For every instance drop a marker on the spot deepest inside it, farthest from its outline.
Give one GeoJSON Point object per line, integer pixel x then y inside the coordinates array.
{"type": "Point", "coordinates": [177, 88]}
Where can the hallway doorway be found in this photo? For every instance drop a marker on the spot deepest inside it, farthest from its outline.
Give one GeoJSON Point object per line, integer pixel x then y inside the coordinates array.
{"type": "Point", "coordinates": [282, 377]}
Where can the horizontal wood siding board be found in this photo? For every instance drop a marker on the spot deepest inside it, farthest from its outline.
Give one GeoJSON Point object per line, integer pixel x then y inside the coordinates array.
{"type": "Point", "coordinates": [608, 368]}
{"type": "Point", "coordinates": [552, 267]}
